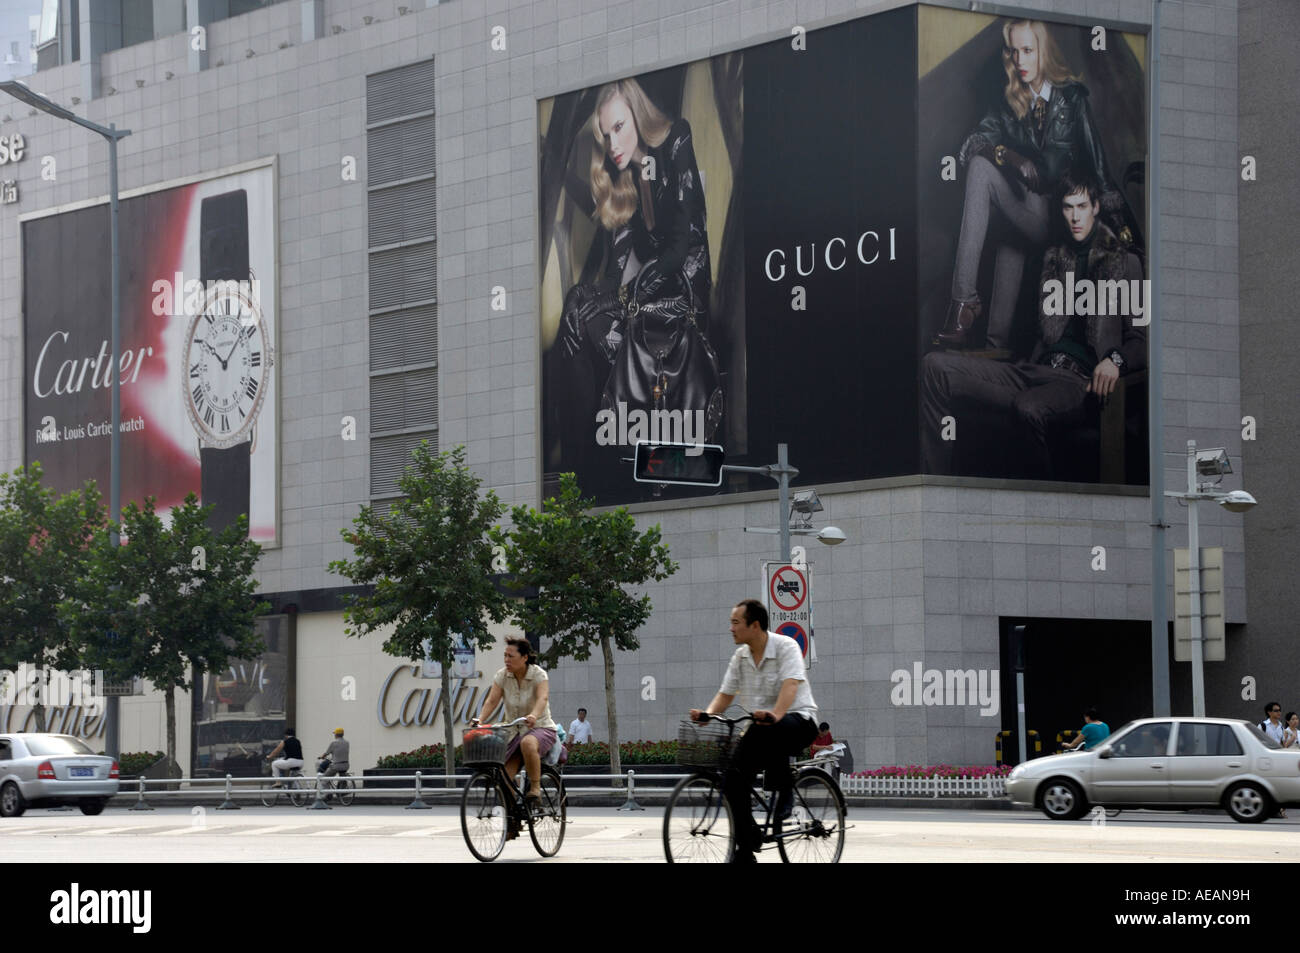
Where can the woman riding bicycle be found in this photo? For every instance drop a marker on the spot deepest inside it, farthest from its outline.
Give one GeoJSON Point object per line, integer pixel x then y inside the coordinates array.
{"type": "Point", "coordinates": [527, 694]}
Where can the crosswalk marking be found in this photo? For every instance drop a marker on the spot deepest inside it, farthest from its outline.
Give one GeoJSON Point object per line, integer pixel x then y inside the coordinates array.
{"type": "Point", "coordinates": [338, 833]}
{"type": "Point", "coordinates": [38, 830]}
{"type": "Point", "coordinates": [191, 829]}
{"type": "Point", "coordinates": [275, 829]}
{"type": "Point", "coordinates": [424, 832]}
{"type": "Point", "coordinates": [105, 830]}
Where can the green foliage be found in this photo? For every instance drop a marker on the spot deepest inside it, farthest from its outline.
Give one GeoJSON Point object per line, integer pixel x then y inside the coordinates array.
{"type": "Point", "coordinates": [630, 753]}
{"type": "Point", "coordinates": [137, 762]}
{"type": "Point", "coordinates": [430, 561]}
{"type": "Point", "coordinates": [44, 543]}
{"type": "Point", "coordinates": [579, 563]}
{"type": "Point", "coordinates": [167, 608]}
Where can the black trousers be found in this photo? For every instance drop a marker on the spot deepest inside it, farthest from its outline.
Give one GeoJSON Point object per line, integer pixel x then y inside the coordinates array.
{"type": "Point", "coordinates": [763, 748]}
{"type": "Point", "coordinates": [1036, 399]}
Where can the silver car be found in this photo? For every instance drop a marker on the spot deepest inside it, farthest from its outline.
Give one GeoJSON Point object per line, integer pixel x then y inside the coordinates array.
{"type": "Point", "coordinates": [1170, 764]}
{"type": "Point", "coordinates": [45, 770]}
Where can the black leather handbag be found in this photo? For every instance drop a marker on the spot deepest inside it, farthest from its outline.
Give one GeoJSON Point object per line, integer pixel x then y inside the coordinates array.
{"type": "Point", "coordinates": [665, 363]}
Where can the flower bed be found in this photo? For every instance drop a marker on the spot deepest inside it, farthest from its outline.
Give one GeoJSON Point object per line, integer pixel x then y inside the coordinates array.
{"type": "Point", "coordinates": [592, 754]}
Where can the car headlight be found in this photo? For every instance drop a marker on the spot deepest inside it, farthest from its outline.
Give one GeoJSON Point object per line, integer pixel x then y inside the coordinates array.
{"type": "Point", "coordinates": [1016, 772]}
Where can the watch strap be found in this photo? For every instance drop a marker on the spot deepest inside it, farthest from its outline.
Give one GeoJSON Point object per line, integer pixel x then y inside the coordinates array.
{"type": "Point", "coordinates": [223, 237]}
{"type": "Point", "coordinates": [225, 478]}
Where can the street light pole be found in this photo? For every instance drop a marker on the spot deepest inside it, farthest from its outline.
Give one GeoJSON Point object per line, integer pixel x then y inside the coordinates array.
{"type": "Point", "coordinates": [20, 91]}
{"type": "Point", "coordinates": [1194, 584]}
{"type": "Point", "coordinates": [782, 473]}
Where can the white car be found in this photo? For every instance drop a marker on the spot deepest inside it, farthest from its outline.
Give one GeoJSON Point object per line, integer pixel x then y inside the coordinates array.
{"type": "Point", "coordinates": [1171, 763]}
{"type": "Point", "coordinates": [44, 770]}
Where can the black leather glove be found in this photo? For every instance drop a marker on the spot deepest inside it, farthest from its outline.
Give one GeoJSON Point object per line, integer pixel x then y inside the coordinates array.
{"type": "Point", "coordinates": [1022, 167]}
{"type": "Point", "coordinates": [582, 304]}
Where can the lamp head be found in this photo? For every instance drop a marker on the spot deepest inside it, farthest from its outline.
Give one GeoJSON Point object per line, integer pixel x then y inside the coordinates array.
{"type": "Point", "coordinates": [1238, 501]}
{"type": "Point", "coordinates": [832, 536]}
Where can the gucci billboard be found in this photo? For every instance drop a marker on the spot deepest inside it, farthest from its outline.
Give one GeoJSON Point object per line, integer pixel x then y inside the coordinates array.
{"type": "Point", "coordinates": [908, 243]}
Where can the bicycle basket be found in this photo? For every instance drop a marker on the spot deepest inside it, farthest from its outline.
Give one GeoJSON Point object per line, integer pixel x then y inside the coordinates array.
{"type": "Point", "coordinates": [709, 745]}
{"type": "Point", "coordinates": [485, 746]}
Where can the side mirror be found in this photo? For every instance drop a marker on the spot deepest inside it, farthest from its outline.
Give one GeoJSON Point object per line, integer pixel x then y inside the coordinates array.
{"type": "Point", "coordinates": [1104, 751]}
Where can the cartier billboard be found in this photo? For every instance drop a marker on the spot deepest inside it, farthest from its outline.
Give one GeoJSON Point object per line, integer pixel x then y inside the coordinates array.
{"type": "Point", "coordinates": [197, 362]}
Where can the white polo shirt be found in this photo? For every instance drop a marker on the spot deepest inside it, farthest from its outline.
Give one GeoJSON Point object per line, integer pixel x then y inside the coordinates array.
{"type": "Point", "coordinates": [756, 687]}
{"type": "Point", "coordinates": [579, 732]}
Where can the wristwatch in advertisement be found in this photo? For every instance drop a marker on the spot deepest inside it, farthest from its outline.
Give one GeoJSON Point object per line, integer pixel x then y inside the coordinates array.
{"type": "Point", "coordinates": [1116, 358]}
{"type": "Point", "coordinates": [228, 356]}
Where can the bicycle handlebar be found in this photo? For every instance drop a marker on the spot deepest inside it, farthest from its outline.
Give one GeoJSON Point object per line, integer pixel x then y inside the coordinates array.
{"type": "Point", "coordinates": [706, 717]}
{"type": "Point", "coordinates": [475, 723]}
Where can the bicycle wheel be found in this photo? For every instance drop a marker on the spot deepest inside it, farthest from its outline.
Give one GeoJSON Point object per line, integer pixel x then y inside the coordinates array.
{"type": "Point", "coordinates": [697, 823]}
{"type": "Point", "coordinates": [483, 814]}
{"type": "Point", "coordinates": [345, 790]}
{"type": "Point", "coordinates": [270, 796]}
{"type": "Point", "coordinates": [814, 831]}
{"type": "Point", "coordinates": [299, 796]}
{"type": "Point", "coordinates": [546, 827]}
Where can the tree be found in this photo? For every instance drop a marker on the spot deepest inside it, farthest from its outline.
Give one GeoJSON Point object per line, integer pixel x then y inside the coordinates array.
{"type": "Point", "coordinates": [579, 563]}
{"type": "Point", "coordinates": [44, 548]}
{"type": "Point", "coordinates": [430, 562]}
{"type": "Point", "coordinates": [171, 598]}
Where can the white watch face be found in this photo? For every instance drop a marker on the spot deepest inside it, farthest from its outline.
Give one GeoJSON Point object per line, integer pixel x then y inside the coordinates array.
{"type": "Point", "coordinates": [228, 361]}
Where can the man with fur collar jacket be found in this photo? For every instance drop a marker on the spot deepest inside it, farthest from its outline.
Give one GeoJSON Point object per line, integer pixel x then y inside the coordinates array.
{"type": "Point", "coordinates": [1075, 355]}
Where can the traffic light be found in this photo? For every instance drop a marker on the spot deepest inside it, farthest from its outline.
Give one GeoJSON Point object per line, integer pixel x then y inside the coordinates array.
{"type": "Point", "coordinates": [692, 464]}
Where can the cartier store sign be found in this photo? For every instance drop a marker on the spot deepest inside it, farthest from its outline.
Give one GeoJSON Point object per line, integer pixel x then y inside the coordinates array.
{"type": "Point", "coordinates": [421, 704]}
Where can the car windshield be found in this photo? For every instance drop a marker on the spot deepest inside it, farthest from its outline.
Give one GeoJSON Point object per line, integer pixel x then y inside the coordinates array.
{"type": "Point", "coordinates": [55, 744]}
{"type": "Point", "coordinates": [1262, 737]}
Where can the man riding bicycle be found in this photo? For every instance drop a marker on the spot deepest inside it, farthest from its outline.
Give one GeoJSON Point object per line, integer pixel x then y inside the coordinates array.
{"type": "Point", "coordinates": [767, 673]}
{"type": "Point", "coordinates": [335, 756]}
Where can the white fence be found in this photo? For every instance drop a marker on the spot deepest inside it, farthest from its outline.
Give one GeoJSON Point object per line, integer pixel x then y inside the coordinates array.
{"type": "Point", "coordinates": [924, 787]}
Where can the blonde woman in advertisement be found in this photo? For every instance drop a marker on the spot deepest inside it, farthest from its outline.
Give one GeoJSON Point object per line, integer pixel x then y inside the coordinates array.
{"type": "Point", "coordinates": [649, 203]}
{"type": "Point", "coordinates": [1014, 159]}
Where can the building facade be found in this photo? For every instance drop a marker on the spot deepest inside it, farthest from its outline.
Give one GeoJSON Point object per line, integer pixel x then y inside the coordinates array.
{"type": "Point", "coordinates": [410, 215]}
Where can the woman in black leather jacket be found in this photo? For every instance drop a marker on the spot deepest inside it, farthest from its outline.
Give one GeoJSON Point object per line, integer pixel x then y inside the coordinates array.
{"type": "Point", "coordinates": [657, 254]}
{"type": "Point", "coordinates": [1014, 158]}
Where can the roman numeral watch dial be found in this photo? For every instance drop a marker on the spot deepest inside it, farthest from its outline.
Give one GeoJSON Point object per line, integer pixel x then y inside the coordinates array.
{"type": "Point", "coordinates": [228, 356]}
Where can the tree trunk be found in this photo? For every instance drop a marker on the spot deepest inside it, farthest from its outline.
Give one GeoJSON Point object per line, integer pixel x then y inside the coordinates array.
{"type": "Point", "coordinates": [449, 758]}
{"type": "Point", "coordinates": [611, 712]}
{"type": "Point", "coordinates": [170, 691]}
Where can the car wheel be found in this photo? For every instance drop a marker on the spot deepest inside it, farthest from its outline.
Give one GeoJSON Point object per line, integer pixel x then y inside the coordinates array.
{"type": "Point", "coordinates": [11, 801]}
{"type": "Point", "coordinates": [1248, 803]}
{"type": "Point", "coordinates": [1061, 800]}
{"type": "Point", "coordinates": [92, 805]}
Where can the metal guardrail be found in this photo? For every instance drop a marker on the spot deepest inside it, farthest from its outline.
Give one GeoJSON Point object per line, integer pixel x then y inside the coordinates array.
{"type": "Point", "coordinates": [232, 787]}
{"type": "Point", "coordinates": [628, 782]}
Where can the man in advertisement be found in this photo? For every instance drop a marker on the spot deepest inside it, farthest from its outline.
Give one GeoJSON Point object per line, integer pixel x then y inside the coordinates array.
{"type": "Point", "coordinates": [1081, 350]}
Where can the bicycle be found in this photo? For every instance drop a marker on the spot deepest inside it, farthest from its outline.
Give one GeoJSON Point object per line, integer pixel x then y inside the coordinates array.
{"type": "Point", "coordinates": [338, 787]}
{"type": "Point", "coordinates": [698, 822]}
{"type": "Point", "coordinates": [492, 805]}
{"type": "Point", "coordinates": [294, 790]}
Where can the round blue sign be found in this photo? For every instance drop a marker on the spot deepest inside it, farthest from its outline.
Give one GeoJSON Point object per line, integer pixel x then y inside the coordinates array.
{"type": "Point", "coordinates": [795, 631]}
